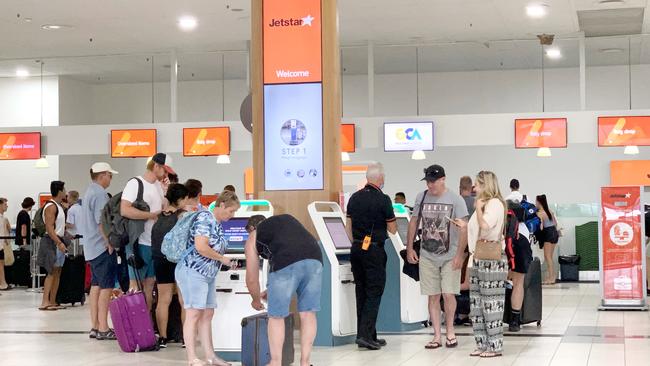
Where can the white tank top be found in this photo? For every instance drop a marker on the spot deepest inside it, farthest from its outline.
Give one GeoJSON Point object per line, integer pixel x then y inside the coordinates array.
{"type": "Point", "coordinates": [59, 223]}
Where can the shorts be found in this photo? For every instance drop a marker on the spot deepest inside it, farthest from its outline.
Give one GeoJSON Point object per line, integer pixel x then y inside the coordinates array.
{"type": "Point", "coordinates": [199, 292]}
{"type": "Point", "coordinates": [147, 270]}
{"type": "Point", "coordinates": [60, 258]}
{"type": "Point", "coordinates": [303, 278]}
{"type": "Point", "coordinates": [2, 254]}
{"type": "Point", "coordinates": [103, 271]}
{"type": "Point", "coordinates": [550, 235]}
{"type": "Point", "coordinates": [523, 256]}
{"type": "Point", "coordinates": [164, 270]}
{"type": "Point", "coordinates": [436, 279]}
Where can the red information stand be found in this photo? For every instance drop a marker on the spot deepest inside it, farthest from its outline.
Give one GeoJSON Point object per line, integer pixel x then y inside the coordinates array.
{"type": "Point", "coordinates": [622, 249]}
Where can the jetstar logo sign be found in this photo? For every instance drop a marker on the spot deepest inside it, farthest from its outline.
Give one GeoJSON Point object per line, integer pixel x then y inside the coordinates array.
{"type": "Point", "coordinates": [292, 22]}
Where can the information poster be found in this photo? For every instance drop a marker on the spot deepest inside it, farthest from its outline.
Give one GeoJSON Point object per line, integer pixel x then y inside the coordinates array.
{"type": "Point", "coordinates": [210, 141]}
{"type": "Point", "coordinates": [20, 146]}
{"type": "Point", "coordinates": [621, 256]}
{"type": "Point", "coordinates": [408, 136]}
{"type": "Point", "coordinates": [623, 131]}
{"type": "Point", "coordinates": [133, 143]}
{"type": "Point", "coordinates": [293, 137]}
{"type": "Point", "coordinates": [540, 132]}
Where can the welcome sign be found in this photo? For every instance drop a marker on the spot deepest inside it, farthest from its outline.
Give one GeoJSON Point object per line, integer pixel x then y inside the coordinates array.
{"type": "Point", "coordinates": [408, 136]}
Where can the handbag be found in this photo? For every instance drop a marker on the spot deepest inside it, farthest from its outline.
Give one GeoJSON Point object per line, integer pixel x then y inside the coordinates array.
{"type": "Point", "coordinates": [489, 249]}
{"type": "Point", "coordinates": [9, 253]}
{"type": "Point", "coordinates": [409, 269]}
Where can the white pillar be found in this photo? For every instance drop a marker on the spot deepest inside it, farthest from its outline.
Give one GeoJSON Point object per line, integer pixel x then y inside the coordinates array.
{"type": "Point", "coordinates": [583, 74]}
{"type": "Point", "coordinates": [173, 86]}
{"type": "Point", "coordinates": [371, 78]}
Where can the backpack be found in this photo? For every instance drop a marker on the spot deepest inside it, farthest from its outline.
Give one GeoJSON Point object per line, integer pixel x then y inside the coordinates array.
{"type": "Point", "coordinates": [533, 223]}
{"type": "Point", "coordinates": [175, 243]}
{"type": "Point", "coordinates": [38, 223]}
{"type": "Point", "coordinates": [511, 233]}
{"type": "Point", "coordinates": [114, 225]}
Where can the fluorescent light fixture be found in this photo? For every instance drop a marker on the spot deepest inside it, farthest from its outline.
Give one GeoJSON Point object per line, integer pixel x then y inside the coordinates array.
{"type": "Point", "coordinates": [187, 23]}
{"type": "Point", "coordinates": [42, 163]}
{"type": "Point", "coordinates": [611, 2]}
{"type": "Point", "coordinates": [418, 155]}
{"type": "Point", "coordinates": [345, 156]}
{"type": "Point", "coordinates": [611, 50]}
{"type": "Point", "coordinates": [554, 53]}
{"type": "Point", "coordinates": [544, 152]}
{"type": "Point", "coordinates": [22, 73]}
{"type": "Point", "coordinates": [55, 26]}
{"type": "Point", "coordinates": [537, 11]}
{"type": "Point", "coordinates": [631, 150]}
{"type": "Point", "coordinates": [223, 159]}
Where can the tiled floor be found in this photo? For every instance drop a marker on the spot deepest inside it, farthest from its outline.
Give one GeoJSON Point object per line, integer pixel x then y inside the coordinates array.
{"type": "Point", "coordinates": [573, 333]}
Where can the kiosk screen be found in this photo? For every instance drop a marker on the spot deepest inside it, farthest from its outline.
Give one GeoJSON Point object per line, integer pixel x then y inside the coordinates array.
{"type": "Point", "coordinates": [336, 229]}
{"type": "Point", "coordinates": [235, 232]}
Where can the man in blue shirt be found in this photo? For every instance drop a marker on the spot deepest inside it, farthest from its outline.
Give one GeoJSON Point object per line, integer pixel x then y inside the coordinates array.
{"type": "Point", "coordinates": [102, 258]}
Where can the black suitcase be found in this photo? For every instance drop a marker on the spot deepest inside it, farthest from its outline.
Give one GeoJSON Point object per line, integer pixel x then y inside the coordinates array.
{"type": "Point", "coordinates": [531, 310]}
{"type": "Point", "coordinates": [255, 349]}
{"type": "Point", "coordinates": [72, 285]}
{"type": "Point", "coordinates": [19, 273]}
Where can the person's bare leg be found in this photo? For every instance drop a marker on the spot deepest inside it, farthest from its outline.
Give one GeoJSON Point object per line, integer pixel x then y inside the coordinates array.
{"type": "Point", "coordinates": [205, 336]}
{"type": "Point", "coordinates": [180, 300]}
{"type": "Point", "coordinates": [94, 307]}
{"type": "Point", "coordinates": [47, 287]}
{"type": "Point", "coordinates": [548, 258]}
{"type": "Point", "coordinates": [55, 284]}
{"type": "Point", "coordinates": [133, 285]}
{"type": "Point", "coordinates": [162, 308]}
{"type": "Point", "coordinates": [308, 327]}
{"type": "Point", "coordinates": [450, 313]}
{"type": "Point", "coordinates": [517, 298]}
{"type": "Point", "coordinates": [3, 280]}
{"type": "Point", "coordinates": [189, 332]}
{"type": "Point", "coordinates": [276, 340]}
{"type": "Point", "coordinates": [434, 314]}
{"type": "Point", "coordinates": [148, 291]}
{"type": "Point", "coordinates": [102, 309]}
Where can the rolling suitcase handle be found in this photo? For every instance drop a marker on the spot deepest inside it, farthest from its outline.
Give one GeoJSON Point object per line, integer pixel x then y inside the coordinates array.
{"type": "Point", "coordinates": [131, 261]}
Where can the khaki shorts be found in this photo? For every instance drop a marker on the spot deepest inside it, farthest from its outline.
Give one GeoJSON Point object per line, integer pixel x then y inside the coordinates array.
{"type": "Point", "coordinates": [435, 280]}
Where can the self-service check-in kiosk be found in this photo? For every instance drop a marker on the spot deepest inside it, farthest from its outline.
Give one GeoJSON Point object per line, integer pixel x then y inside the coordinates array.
{"type": "Point", "coordinates": [337, 320]}
{"type": "Point", "coordinates": [402, 306]}
{"type": "Point", "coordinates": [233, 298]}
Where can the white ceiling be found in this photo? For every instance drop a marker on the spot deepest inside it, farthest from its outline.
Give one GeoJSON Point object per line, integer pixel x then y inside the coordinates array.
{"type": "Point", "coordinates": [468, 35]}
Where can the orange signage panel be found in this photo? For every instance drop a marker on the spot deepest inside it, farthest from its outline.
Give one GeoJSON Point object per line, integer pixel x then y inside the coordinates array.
{"type": "Point", "coordinates": [133, 143]}
{"type": "Point", "coordinates": [292, 41]}
{"type": "Point", "coordinates": [540, 132]}
{"type": "Point", "coordinates": [43, 198]}
{"type": "Point", "coordinates": [206, 141]}
{"type": "Point", "coordinates": [629, 172]}
{"type": "Point", "coordinates": [207, 199]}
{"type": "Point", "coordinates": [20, 146]}
{"type": "Point", "coordinates": [348, 141]}
{"type": "Point", "coordinates": [623, 131]}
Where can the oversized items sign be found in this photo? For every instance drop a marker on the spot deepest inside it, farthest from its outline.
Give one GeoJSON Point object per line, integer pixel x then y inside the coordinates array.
{"type": "Point", "coordinates": [622, 269]}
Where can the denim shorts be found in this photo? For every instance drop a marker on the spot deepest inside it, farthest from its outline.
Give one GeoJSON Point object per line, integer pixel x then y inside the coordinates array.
{"type": "Point", "coordinates": [303, 278]}
{"type": "Point", "coordinates": [103, 270]}
{"type": "Point", "coordinates": [147, 271]}
{"type": "Point", "coordinates": [60, 258]}
{"type": "Point", "coordinates": [198, 291]}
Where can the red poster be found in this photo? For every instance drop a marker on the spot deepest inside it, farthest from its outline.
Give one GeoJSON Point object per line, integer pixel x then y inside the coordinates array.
{"type": "Point", "coordinates": [621, 249]}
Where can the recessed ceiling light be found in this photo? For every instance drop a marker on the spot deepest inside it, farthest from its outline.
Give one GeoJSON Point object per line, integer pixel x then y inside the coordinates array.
{"type": "Point", "coordinates": [611, 2]}
{"type": "Point", "coordinates": [611, 50]}
{"type": "Point", "coordinates": [553, 53]}
{"type": "Point", "coordinates": [55, 26]}
{"type": "Point", "coordinates": [536, 10]}
{"type": "Point", "coordinates": [236, 9]}
{"type": "Point", "coordinates": [187, 23]}
{"type": "Point", "coordinates": [22, 73]}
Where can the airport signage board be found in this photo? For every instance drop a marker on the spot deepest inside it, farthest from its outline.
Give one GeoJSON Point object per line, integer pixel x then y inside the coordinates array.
{"type": "Point", "coordinates": [540, 132]}
{"type": "Point", "coordinates": [133, 143]}
{"type": "Point", "coordinates": [20, 146]}
{"type": "Point", "coordinates": [209, 141]}
{"type": "Point", "coordinates": [624, 131]}
{"type": "Point", "coordinates": [408, 136]}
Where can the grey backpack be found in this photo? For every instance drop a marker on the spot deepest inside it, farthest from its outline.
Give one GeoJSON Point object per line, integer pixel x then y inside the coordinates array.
{"type": "Point", "coordinates": [114, 225]}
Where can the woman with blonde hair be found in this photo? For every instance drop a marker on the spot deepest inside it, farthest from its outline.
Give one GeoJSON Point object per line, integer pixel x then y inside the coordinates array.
{"type": "Point", "coordinates": [489, 266]}
{"type": "Point", "coordinates": [196, 275]}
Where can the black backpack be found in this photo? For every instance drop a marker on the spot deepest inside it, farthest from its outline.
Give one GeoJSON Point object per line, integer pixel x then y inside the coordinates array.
{"type": "Point", "coordinates": [114, 225]}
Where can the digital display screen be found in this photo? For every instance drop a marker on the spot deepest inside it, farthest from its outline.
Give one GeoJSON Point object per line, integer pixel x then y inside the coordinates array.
{"type": "Point", "coordinates": [336, 229]}
{"type": "Point", "coordinates": [624, 131]}
{"type": "Point", "coordinates": [133, 143]}
{"type": "Point", "coordinates": [236, 234]}
{"type": "Point", "coordinates": [20, 146]}
{"type": "Point", "coordinates": [403, 228]}
{"type": "Point", "coordinates": [540, 132]}
{"type": "Point", "coordinates": [210, 141]}
{"type": "Point", "coordinates": [408, 136]}
{"type": "Point", "coordinates": [293, 137]}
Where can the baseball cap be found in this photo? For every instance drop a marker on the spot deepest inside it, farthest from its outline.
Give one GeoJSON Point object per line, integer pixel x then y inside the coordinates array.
{"type": "Point", "coordinates": [164, 160]}
{"type": "Point", "coordinates": [433, 173]}
{"type": "Point", "coordinates": [102, 167]}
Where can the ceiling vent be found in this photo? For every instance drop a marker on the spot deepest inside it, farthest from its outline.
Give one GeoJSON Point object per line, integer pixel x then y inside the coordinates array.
{"type": "Point", "coordinates": [611, 22]}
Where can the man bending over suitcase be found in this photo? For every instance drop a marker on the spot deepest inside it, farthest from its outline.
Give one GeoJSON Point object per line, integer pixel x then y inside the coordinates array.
{"type": "Point", "coordinates": [295, 266]}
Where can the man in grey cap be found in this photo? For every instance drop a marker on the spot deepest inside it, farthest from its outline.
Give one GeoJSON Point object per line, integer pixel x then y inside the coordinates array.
{"type": "Point", "coordinates": [102, 258]}
{"type": "Point", "coordinates": [436, 213]}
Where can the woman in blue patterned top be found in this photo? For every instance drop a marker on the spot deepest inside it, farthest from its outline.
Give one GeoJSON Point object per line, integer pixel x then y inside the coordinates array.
{"type": "Point", "coordinates": [196, 276]}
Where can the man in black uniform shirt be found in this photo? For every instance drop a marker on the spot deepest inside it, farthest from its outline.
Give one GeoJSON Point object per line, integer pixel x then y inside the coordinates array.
{"type": "Point", "coordinates": [370, 215]}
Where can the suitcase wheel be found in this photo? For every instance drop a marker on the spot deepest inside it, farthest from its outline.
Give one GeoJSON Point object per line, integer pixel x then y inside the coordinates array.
{"type": "Point", "coordinates": [539, 323]}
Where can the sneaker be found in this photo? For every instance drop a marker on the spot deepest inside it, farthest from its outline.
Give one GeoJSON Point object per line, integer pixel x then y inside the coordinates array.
{"type": "Point", "coordinates": [93, 333]}
{"type": "Point", "coordinates": [162, 342]}
{"type": "Point", "coordinates": [109, 335]}
{"type": "Point", "coordinates": [183, 344]}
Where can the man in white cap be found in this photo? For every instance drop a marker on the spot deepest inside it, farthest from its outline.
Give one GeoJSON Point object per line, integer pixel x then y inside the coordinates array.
{"type": "Point", "coordinates": [158, 169]}
{"type": "Point", "coordinates": [102, 258]}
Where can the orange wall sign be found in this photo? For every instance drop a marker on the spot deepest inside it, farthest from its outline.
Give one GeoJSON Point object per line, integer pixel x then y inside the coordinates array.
{"type": "Point", "coordinates": [292, 41]}
{"type": "Point", "coordinates": [207, 199]}
{"type": "Point", "coordinates": [348, 138]}
{"type": "Point", "coordinates": [20, 146]}
{"type": "Point", "coordinates": [133, 143]}
{"type": "Point", "coordinates": [206, 141]}
{"type": "Point", "coordinates": [629, 172]}
{"type": "Point", "coordinates": [623, 131]}
{"type": "Point", "coordinates": [540, 132]}
{"type": "Point", "coordinates": [43, 198]}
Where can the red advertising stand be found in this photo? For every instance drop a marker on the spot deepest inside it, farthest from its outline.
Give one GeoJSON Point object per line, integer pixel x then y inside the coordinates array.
{"type": "Point", "coordinates": [621, 249]}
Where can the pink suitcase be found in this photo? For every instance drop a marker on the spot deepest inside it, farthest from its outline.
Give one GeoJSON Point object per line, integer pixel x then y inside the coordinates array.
{"type": "Point", "coordinates": [132, 323]}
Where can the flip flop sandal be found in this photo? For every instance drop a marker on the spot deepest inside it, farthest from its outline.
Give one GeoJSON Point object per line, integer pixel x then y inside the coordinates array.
{"type": "Point", "coordinates": [476, 353]}
{"type": "Point", "coordinates": [451, 343]}
{"type": "Point", "coordinates": [490, 355]}
{"type": "Point", "coordinates": [433, 345]}
{"type": "Point", "coordinates": [46, 308]}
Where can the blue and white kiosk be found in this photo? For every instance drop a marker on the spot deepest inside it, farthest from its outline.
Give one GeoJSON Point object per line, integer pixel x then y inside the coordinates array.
{"type": "Point", "coordinates": [402, 308]}
{"type": "Point", "coordinates": [232, 294]}
{"type": "Point", "coordinates": [337, 320]}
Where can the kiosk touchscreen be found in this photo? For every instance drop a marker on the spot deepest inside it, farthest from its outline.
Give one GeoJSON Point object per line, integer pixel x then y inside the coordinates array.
{"type": "Point", "coordinates": [402, 306]}
{"type": "Point", "coordinates": [337, 320]}
{"type": "Point", "coordinates": [232, 294]}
